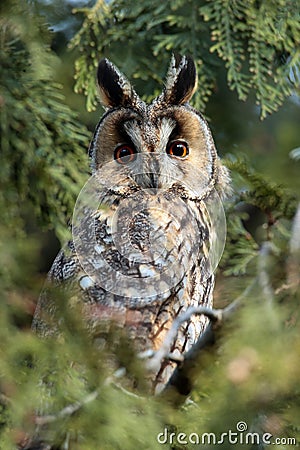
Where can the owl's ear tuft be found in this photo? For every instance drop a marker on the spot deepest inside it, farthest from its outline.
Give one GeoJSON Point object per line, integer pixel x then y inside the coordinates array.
{"type": "Point", "coordinates": [114, 88]}
{"type": "Point", "coordinates": [181, 81]}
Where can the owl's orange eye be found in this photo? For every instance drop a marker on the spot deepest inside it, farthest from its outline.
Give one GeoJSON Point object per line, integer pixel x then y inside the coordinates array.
{"type": "Point", "coordinates": [124, 154]}
{"type": "Point", "coordinates": [178, 149]}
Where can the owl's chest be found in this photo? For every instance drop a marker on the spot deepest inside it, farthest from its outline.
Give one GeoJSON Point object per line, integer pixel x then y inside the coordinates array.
{"type": "Point", "coordinates": [143, 263]}
{"type": "Point", "coordinates": [144, 245]}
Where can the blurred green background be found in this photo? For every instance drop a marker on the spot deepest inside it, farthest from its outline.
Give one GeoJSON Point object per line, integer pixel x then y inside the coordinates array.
{"type": "Point", "coordinates": [247, 55]}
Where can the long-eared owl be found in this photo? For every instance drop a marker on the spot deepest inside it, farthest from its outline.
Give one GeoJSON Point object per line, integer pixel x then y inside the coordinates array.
{"type": "Point", "coordinates": [148, 227]}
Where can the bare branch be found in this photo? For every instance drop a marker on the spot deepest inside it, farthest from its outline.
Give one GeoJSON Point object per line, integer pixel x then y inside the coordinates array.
{"type": "Point", "coordinates": [155, 362]}
{"type": "Point", "coordinates": [75, 407]}
{"type": "Point", "coordinates": [125, 391]}
{"type": "Point", "coordinates": [67, 411]}
{"type": "Point", "coordinates": [181, 380]}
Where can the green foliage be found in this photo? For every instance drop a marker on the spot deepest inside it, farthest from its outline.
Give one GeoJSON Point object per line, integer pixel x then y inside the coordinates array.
{"type": "Point", "coordinates": [276, 205]}
{"type": "Point", "coordinates": [89, 40]}
{"type": "Point", "coordinates": [256, 41]}
{"type": "Point", "coordinates": [271, 198]}
{"type": "Point", "coordinates": [254, 377]}
{"type": "Point", "coordinates": [38, 131]}
{"type": "Point", "coordinates": [241, 248]}
{"type": "Point", "coordinates": [253, 373]}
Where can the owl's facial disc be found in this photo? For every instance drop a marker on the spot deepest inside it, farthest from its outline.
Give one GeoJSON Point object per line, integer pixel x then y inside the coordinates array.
{"type": "Point", "coordinates": [150, 152]}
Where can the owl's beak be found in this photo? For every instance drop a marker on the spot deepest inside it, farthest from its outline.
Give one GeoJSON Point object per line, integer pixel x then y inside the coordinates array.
{"type": "Point", "coordinates": [154, 181]}
{"type": "Point", "coordinates": [149, 172]}
{"type": "Point", "coordinates": [149, 181]}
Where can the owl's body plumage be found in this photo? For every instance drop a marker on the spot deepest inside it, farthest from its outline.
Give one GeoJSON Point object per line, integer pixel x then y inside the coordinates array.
{"type": "Point", "coordinates": [141, 248]}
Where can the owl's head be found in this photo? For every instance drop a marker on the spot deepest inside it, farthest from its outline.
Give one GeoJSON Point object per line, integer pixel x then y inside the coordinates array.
{"type": "Point", "coordinates": [159, 144]}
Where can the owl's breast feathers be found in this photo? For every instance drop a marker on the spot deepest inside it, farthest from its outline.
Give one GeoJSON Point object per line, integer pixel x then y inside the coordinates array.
{"type": "Point", "coordinates": [155, 260]}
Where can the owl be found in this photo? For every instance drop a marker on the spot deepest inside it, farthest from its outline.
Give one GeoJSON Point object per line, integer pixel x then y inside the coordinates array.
{"type": "Point", "coordinates": [146, 227]}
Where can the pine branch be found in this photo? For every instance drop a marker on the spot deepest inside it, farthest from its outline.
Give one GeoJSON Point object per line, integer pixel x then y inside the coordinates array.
{"type": "Point", "coordinates": [249, 38]}
{"type": "Point", "coordinates": [273, 199]}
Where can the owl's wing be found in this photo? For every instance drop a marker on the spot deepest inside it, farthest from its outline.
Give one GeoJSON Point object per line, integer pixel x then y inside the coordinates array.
{"type": "Point", "coordinates": [60, 281]}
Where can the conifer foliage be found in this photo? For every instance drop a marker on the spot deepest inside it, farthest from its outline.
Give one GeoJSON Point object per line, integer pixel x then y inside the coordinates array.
{"type": "Point", "coordinates": [66, 394]}
{"type": "Point", "coordinates": [256, 42]}
{"type": "Point", "coordinates": [38, 130]}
